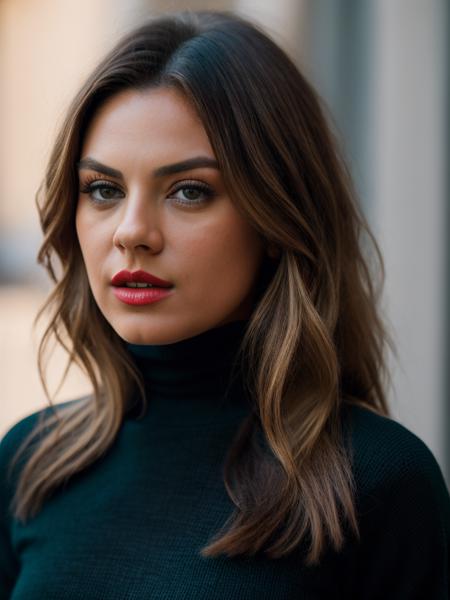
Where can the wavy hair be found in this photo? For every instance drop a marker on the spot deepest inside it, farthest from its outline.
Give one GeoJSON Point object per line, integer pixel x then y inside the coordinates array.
{"type": "Point", "coordinates": [281, 163]}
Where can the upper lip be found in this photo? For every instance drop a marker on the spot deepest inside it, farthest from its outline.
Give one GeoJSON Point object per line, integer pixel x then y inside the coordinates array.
{"type": "Point", "coordinates": [123, 277]}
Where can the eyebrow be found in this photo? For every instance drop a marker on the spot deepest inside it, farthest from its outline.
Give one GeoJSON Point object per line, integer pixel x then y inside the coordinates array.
{"type": "Point", "coordinates": [192, 163]}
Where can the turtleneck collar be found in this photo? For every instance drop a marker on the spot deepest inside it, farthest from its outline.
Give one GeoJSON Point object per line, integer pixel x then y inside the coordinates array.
{"type": "Point", "coordinates": [193, 369]}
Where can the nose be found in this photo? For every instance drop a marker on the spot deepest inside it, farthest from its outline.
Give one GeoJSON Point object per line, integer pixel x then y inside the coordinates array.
{"type": "Point", "coordinates": [138, 227]}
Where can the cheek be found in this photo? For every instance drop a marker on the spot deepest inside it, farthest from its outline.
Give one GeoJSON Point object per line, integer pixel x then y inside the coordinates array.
{"type": "Point", "coordinates": [224, 260]}
{"type": "Point", "coordinates": [90, 241]}
{"type": "Point", "coordinates": [82, 228]}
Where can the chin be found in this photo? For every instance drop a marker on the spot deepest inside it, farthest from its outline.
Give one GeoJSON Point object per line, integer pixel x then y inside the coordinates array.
{"type": "Point", "coordinates": [163, 333]}
{"type": "Point", "coordinates": [141, 337]}
{"type": "Point", "coordinates": [136, 333]}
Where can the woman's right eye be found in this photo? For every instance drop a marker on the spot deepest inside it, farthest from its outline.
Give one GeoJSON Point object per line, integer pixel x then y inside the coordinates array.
{"type": "Point", "coordinates": [101, 192]}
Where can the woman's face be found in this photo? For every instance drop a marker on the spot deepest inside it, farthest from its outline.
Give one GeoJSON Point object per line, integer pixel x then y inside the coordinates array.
{"type": "Point", "coordinates": [140, 209]}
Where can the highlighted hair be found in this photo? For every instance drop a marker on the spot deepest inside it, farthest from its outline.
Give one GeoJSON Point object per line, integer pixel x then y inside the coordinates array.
{"type": "Point", "coordinates": [315, 340]}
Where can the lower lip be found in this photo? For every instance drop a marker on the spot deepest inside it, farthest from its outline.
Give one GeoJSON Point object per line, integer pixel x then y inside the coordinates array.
{"type": "Point", "coordinates": [140, 296]}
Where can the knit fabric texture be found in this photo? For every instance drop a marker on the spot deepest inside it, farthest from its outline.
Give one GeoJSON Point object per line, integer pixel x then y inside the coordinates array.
{"type": "Point", "coordinates": [131, 525]}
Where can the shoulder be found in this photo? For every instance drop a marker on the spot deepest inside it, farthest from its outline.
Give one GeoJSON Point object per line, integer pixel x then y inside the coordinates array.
{"type": "Point", "coordinates": [385, 451]}
{"type": "Point", "coordinates": [403, 507]}
{"type": "Point", "coordinates": [26, 424]}
{"type": "Point", "coordinates": [383, 442]}
{"type": "Point", "coordinates": [391, 464]}
{"type": "Point", "coordinates": [16, 435]}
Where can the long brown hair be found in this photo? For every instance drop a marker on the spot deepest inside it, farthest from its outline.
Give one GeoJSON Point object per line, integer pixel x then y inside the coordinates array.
{"type": "Point", "coordinates": [315, 340]}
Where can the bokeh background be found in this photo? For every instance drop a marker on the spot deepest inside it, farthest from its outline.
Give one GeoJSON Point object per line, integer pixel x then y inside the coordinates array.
{"type": "Point", "coordinates": [382, 68]}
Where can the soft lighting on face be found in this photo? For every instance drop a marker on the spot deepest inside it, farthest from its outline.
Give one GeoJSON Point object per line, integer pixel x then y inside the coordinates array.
{"type": "Point", "coordinates": [152, 200]}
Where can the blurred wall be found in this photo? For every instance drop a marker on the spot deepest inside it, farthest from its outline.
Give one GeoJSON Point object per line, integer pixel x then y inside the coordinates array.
{"type": "Point", "coordinates": [410, 141]}
{"type": "Point", "coordinates": [46, 49]}
{"type": "Point", "coordinates": [383, 68]}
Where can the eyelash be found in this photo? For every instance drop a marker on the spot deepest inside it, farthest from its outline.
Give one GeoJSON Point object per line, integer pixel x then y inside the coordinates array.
{"type": "Point", "coordinates": [88, 187]}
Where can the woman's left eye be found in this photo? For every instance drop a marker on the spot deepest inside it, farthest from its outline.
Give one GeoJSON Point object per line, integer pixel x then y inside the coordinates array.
{"type": "Point", "coordinates": [192, 193]}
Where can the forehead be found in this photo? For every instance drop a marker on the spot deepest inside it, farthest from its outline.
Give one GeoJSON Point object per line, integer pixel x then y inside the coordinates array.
{"type": "Point", "coordinates": [153, 117]}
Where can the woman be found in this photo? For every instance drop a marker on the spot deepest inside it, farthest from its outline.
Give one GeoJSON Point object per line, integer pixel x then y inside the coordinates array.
{"type": "Point", "coordinates": [213, 285]}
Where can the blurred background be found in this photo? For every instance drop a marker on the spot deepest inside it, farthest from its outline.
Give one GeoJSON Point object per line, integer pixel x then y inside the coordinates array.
{"type": "Point", "coordinates": [381, 66]}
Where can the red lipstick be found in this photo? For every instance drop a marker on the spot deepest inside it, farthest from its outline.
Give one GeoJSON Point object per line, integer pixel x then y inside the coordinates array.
{"type": "Point", "coordinates": [139, 294]}
{"type": "Point", "coordinates": [123, 277]}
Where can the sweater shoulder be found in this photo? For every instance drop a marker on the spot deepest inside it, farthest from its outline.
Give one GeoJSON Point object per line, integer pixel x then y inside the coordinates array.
{"type": "Point", "coordinates": [403, 508]}
{"type": "Point", "coordinates": [16, 435]}
{"type": "Point", "coordinates": [24, 425]}
{"type": "Point", "coordinates": [388, 457]}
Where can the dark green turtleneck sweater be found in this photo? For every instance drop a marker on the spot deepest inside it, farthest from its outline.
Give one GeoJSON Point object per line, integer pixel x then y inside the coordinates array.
{"type": "Point", "coordinates": [131, 525]}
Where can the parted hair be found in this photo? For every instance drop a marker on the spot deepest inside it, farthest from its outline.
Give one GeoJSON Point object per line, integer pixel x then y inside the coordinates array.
{"type": "Point", "coordinates": [315, 341]}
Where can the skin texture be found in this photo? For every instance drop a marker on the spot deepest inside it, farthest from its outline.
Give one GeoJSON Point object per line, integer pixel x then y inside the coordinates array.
{"type": "Point", "coordinates": [208, 251]}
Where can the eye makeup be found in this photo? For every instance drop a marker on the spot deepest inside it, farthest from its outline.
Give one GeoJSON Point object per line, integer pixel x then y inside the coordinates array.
{"type": "Point", "coordinates": [92, 185]}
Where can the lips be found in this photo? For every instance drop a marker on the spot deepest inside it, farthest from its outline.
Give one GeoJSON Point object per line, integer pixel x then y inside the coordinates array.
{"type": "Point", "coordinates": [124, 277]}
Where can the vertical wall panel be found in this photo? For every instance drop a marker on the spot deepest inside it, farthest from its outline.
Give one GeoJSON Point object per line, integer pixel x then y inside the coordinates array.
{"type": "Point", "coordinates": [410, 175]}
